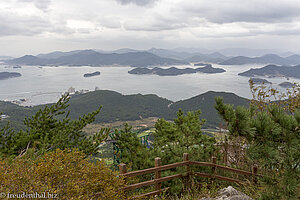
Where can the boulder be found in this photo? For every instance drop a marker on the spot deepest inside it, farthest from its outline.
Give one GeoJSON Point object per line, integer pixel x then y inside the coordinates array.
{"type": "Point", "coordinates": [229, 193]}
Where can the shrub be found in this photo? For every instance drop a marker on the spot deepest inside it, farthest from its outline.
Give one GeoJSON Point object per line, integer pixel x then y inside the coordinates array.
{"type": "Point", "coordinates": [67, 173]}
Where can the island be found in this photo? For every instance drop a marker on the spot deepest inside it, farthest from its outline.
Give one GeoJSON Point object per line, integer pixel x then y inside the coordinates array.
{"type": "Point", "coordinates": [259, 81]}
{"type": "Point", "coordinates": [274, 71]}
{"type": "Point", "coordinates": [97, 73]}
{"type": "Point", "coordinates": [6, 75]}
{"type": "Point", "coordinates": [286, 85]}
{"type": "Point", "coordinates": [173, 71]}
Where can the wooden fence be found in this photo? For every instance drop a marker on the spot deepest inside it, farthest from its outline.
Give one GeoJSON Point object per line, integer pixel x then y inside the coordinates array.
{"type": "Point", "coordinates": [185, 163]}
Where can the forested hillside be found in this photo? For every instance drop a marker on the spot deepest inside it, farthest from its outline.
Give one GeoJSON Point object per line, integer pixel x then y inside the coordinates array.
{"type": "Point", "coordinates": [205, 102]}
{"type": "Point", "coordinates": [118, 107]}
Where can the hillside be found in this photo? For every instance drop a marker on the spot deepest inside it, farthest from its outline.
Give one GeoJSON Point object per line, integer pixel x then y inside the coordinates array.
{"type": "Point", "coordinates": [118, 107]}
{"type": "Point", "coordinates": [205, 102]}
{"type": "Point", "coordinates": [16, 114]}
{"type": "Point", "coordinates": [93, 58]}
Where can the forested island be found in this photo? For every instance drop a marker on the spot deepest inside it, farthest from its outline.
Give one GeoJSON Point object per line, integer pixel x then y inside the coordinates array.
{"type": "Point", "coordinates": [6, 75]}
{"type": "Point", "coordinates": [97, 73]}
{"type": "Point", "coordinates": [173, 71]}
{"type": "Point", "coordinates": [274, 71]}
{"type": "Point", "coordinates": [286, 84]}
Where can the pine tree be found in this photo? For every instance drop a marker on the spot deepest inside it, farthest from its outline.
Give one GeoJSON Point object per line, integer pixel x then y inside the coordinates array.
{"type": "Point", "coordinates": [51, 128]}
{"type": "Point", "coordinates": [273, 137]}
{"type": "Point", "coordinates": [171, 140]}
{"type": "Point", "coordinates": [184, 135]}
{"type": "Point", "coordinates": [131, 150]}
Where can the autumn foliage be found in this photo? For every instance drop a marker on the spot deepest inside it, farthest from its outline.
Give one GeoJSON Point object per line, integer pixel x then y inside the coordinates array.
{"type": "Point", "coordinates": [67, 173]}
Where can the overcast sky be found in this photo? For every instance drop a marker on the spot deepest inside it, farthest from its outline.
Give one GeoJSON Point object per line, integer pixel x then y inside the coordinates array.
{"type": "Point", "coordinates": [39, 26]}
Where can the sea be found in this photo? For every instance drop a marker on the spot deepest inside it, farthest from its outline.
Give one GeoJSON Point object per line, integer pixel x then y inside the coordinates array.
{"type": "Point", "coordinates": [45, 84]}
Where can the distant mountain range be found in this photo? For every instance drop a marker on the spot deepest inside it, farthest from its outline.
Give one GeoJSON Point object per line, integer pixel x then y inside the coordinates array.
{"type": "Point", "coordinates": [214, 57]}
{"type": "Point", "coordinates": [274, 71]}
{"type": "Point", "coordinates": [266, 59]}
{"type": "Point", "coordinates": [93, 58]}
{"type": "Point", "coordinates": [155, 57]}
{"type": "Point", "coordinates": [118, 107]}
{"type": "Point", "coordinates": [252, 52]}
{"type": "Point", "coordinates": [6, 57]}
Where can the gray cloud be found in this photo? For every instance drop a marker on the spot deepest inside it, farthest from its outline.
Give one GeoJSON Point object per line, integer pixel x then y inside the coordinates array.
{"type": "Point", "coordinates": [154, 23]}
{"type": "Point", "coordinates": [40, 4]}
{"type": "Point", "coordinates": [242, 11]}
{"type": "Point", "coordinates": [148, 23]}
{"type": "Point", "coordinates": [137, 2]}
{"type": "Point", "coordinates": [20, 25]}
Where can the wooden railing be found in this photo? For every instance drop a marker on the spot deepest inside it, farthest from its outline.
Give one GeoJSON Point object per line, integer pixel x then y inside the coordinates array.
{"type": "Point", "coordinates": [185, 163]}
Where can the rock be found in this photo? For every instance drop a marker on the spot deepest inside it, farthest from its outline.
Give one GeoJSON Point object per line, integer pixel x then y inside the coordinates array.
{"type": "Point", "coordinates": [229, 193]}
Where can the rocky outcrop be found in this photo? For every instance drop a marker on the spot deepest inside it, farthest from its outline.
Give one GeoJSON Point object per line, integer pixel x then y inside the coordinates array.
{"type": "Point", "coordinates": [229, 193]}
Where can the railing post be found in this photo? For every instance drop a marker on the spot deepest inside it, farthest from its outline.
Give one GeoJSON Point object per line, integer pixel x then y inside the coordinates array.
{"type": "Point", "coordinates": [157, 173]}
{"type": "Point", "coordinates": [188, 170]}
{"type": "Point", "coordinates": [213, 169]}
{"type": "Point", "coordinates": [123, 169]}
{"type": "Point", "coordinates": [254, 178]}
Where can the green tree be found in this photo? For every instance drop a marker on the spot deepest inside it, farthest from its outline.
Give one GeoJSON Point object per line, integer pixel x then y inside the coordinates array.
{"type": "Point", "coordinates": [171, 140]}
{"type": "Point", "coordinates": [51, 128]}
{"type": "Point", "coordinates": [273, 142]}
{"type": "Point", "coordinates": [131, 151]}
{"type": "Point", "coordinates": [184, 135]}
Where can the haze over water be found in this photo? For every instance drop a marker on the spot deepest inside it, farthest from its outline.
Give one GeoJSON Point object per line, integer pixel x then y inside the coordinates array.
{"type": "Point", "coordinates": [40, 85]}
